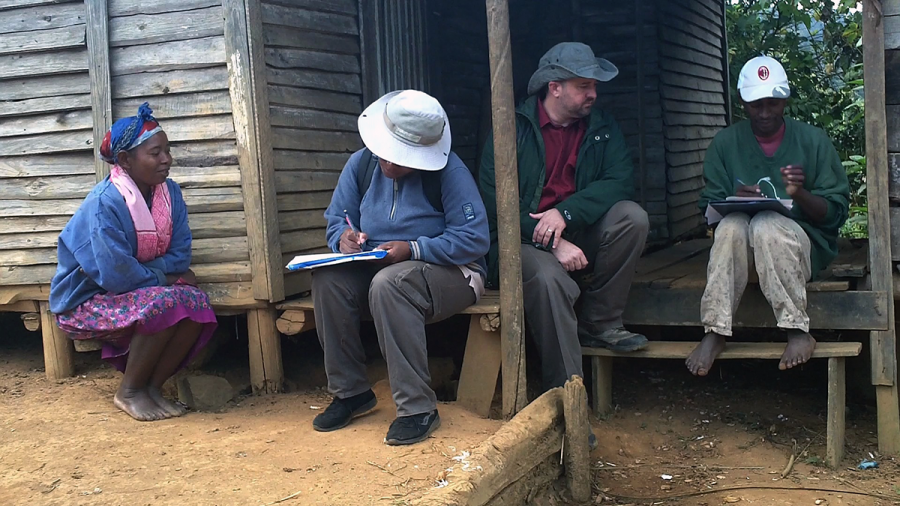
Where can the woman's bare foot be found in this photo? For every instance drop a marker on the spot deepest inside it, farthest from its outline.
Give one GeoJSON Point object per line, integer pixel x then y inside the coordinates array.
{"type": "Point", "coordinates": [139, 405]}
{"type": "Point", "coordinates": [800, 347]}
{"type": "Point", "coordinates": [172, 408]}
{"type": "Point", "coordinates": [700, 361]}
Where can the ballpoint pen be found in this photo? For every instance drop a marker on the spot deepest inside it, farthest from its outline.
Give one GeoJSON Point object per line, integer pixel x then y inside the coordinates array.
{"type": "Point", "coordinates": [350, 223]}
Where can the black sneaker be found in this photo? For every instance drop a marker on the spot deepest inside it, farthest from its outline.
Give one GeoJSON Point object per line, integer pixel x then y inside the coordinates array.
{"type": "Point", "coordinates": [341, 411]}
{"type": "Point", "coordinates": [617, 339]}
{"type": "Point", "coordinates": [406, 430]}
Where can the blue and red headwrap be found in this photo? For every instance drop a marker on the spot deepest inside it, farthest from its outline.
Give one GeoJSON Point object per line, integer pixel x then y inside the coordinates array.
{"type": "Point", "coordinates": [129, 133]}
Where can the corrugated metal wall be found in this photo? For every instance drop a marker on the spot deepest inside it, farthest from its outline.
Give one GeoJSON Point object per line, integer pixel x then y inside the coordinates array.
{"type": "Point", "coordinates": [402, 62]}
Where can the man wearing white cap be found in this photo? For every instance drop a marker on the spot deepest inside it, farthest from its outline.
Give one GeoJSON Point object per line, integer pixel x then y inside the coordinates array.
{"type": "Point", "coordinates": [576, 214]}
{"type": "Point", "coordinates": [406, 193]}
{"type": "Point", "coordinates": [769, 155]}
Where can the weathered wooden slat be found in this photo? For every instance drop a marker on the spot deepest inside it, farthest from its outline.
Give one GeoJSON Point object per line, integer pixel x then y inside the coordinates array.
{"type": "Point", "coordinates": [180, 105]}
{"type": "Point", "coordinates": [29, 240]}
{"type": "Point", "coordinates": [309, 20]}
{"type": "Point", "coordinates": [285, 36]}
{"type": "Point", "coordinates": [32, 224]}
{"type": "Point", "coordinates": [50, 87]}
{"type": "Point", "coordinates": [217, 225]}
{"type": "Point", "coordinates": [296, 181]}
{"type": "Point", "coordinates": [683, 172]}
{"type": "Point", "coordinates": [200, 129]}
{"type": "Point", "coordinates": [681, 146]}
{"type": "Point", "coordinates": [315, 99]}
{"type": "Point", "coordinates": [313, 140]}
{"type": "Point", "coordinates": [27, 274]}
{"type": "Point", "coordinates": [222, 273]}
{"type": "Point", "coordinates": [677, 159]}
{"type": "Point", "coordinates": [686, 185]}
{"type": "Point", "coordinates": [294, 201]}
{"type": "Point", "coordinates": [204, 154]}
{"type": "Point", "coordinates": [60, 104]}
{"type": "Point", "coordinates": [893, 182]}
{"type": "Point", "coordinates": [207, 177]}
{"type": "Point", "coordinates": [47, 188]}
{"type": "Point", "coordinates": [691, 69]}
{"type": "Point", "coordinates": [692, 83]}
{"type": "Point", "coordinates": [42, 64]}
{"type": "Point", "coordinates": [212, 200]}
{"type": "Point", "coordinates": [67, 37]}
{"type": "Point", "coordinates": [346, 7]}
{"type": "Point", "coordinates": [676, 52]}
{"type": "Point", "coordinates": [892, 32]}
{"type": "Point", "coordinates": [734, 351]}
{"type": "Point", "coordinates": [683, 212]}
{"type": "Point", "coordinates": [167, 27]}
{"type": "Point", "coordinates": [687, 20]}
{"type": "Point", "coordinates": [300, 220]}
{"type": "Point", "coordinates": [298, 160]}
{"type": "Point", "coordinates": [892, 77]}
{"type": "Point", "coordinates": [42, 18]}
{"type": "Point", "coordinates": [47, 143]}
{"type": "Point", "coordinates": [308, 118]}
{"type": "Point", "coordinates": [219, 250]}
{"type": "Point", "coordinates": [693, 107]}
{"type": "Point", "coordinates": [684, 119]}
{"type": "Point", "coordinates": [133, 7]}
{"type": "Point", "coordinates": [893, 128]}
{"type": "Point", "coordinates": [23, 257]}
{"type": "Point", "coordinates": [178, 55]}
{"type": "Point", "coordinates": [692, 95]}
{"type": "Point", "coordinates": [144, 86]}
{"type": "Point", "coordinates": [14, 208]}
{"type": "Point", "coordinates": [286, 58]}
{"type": "Point", "coordinates": [16, 4]}
{"type": "Point", "coordinates": [890, 7]}
{"type": "Point", "coordinates": [46, 165]}
{"type": "Point", "coordinates": [330, 81]}
{"type": "Point", "coordinates": [46, 123]}
{"type": "Point", "coordinates": [303, 240]}
{"type": "Point", "coordinates": [691, 132]}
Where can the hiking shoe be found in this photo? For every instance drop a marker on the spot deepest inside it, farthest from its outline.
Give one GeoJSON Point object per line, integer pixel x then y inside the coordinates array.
{"type": "Point", "coordinates": [406, 430]}
{"type": "Point", "coordinates": [617, 339]}
{"type": "Point", "coordinates": [341, 411]}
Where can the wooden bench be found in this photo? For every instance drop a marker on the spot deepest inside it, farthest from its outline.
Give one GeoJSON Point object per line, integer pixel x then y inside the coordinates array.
{"type": "Point", "coordinates": [602, 361]}
{"type": "Point", "coordinates": [481, 362]}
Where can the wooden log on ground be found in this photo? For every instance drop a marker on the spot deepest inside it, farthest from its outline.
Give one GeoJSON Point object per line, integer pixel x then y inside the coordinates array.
{"type": "Point", "coordinates": [58, 350]}
{"type": "Point", "coordinates": [32, 321]}
{"type": "Point", "coordinates": [576, 450]}
{"type": "Point", "coordinates": [294, 322]}
{"type": "Point", "coordinates": [266, 369]}
{"type": "Point", "coordinates": [538, 479]}
{"type": "Point", "coordinates": [512, 453]}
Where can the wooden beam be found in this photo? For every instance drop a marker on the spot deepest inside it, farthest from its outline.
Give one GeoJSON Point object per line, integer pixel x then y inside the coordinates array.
{"type": "Point", "coordinates": [576, 447]}
{"type": "Point", "coordinates": [59, 352]}
{"type": "Point", "coordinates": [250, 109]}
{"type": "Point", "coordinates": [266, 369]}
{"type": "Point", "coordinates": [883, 343]}
{"type": "Point", "coordinates": [97, 16]}
{"type": "Point", "coordinates": [507, 190]}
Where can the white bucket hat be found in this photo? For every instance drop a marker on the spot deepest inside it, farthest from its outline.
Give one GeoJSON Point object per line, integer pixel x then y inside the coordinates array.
{"type": "Point", "coordinates": [763, 77]}
{"type": "Point", "coordinates": [408, 128]}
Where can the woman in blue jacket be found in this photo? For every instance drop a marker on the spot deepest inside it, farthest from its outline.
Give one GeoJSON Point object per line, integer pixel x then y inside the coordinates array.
{"type": "Point", "coordinates": [124, 273]}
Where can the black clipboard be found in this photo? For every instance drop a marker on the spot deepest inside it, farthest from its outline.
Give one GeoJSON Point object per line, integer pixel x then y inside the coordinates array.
{"type": "Point", "coordinates": [751, 207]}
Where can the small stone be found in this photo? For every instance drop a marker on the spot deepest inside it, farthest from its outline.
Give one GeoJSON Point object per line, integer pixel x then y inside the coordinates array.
{"type": "Point", "coordinates": [665, 487]}
{"type": "Point", "coordinates": [204, 392]}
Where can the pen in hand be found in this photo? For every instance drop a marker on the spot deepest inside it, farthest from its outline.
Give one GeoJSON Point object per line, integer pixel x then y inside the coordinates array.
{"type": "Point", "coordinates": [358, 237]}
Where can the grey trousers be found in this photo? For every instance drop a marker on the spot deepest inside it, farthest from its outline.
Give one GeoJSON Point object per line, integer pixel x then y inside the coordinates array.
{"type": "Point", "coordinates": [612, 246]}
{"type": "Point", "coordinates": [400, 298]}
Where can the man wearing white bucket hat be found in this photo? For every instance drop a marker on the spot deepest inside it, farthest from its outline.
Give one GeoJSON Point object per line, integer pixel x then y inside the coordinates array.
{"type": "Point", "coordinates": [769, 155]}
{"type": "Point", "coordinates": [406, 193]}
{"type": "Point", "coordinates": [577, 218]}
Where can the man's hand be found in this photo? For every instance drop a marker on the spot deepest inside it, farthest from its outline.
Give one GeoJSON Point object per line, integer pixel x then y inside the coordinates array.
{"type": "Point", "coordinates": [397, 251]}
{"type": "Point", "coordinates": [748, 191]}
{"type": "Point", "coordinates": [351, 242]}
{"type": "Point", "coordinates": [793, 178]}
{"type": "Point", "coordinates": [550, 227]}
{"type": "Point", "coordinates": [570, 256]}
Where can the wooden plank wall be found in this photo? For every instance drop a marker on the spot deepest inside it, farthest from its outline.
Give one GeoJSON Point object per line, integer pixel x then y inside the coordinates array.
{"type": "Point", "coordinates": [315, 96]}
{"type": "Point", "coordinates": [611, 29]}
{"type": "Point", "coordinates": [172, 55]}
{"type": "Point", "coordinates": [692, 92]}
{"type": "Point", "coordinates": [46, 162]}
{"type": "Point", "coordinates": [891, 10]}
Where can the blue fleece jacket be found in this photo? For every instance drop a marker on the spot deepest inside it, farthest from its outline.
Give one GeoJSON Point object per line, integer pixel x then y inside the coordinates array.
{"type": "Point", "coordinates": [96, 251]}
{"type": "Point", "coordinates": [399, 211]}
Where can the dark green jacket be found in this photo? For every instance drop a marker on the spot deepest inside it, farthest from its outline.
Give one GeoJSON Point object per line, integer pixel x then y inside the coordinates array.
{"type": "Point", "coordinates": [603, 176]}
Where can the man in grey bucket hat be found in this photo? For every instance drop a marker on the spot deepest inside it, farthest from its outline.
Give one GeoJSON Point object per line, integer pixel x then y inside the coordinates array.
{"type": "Point", "coordinates": [581, 233]}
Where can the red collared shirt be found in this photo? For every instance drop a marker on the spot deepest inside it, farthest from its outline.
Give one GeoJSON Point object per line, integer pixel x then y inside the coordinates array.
{"type": "Point", "coordinates": [770, 145]}
{"type": "Point", "coordinates": [561, 145]}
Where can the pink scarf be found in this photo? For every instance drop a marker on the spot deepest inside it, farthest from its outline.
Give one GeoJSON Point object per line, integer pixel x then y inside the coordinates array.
{"type": "Point", "coordinates": [154, 228]}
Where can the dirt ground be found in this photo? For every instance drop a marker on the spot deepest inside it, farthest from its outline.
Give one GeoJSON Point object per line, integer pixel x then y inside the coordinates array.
{"type": "Point", "coordinates": [65, 443]}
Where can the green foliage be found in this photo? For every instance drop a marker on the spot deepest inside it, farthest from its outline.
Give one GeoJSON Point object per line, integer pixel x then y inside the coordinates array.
{"type": "Point", "coordinates": [820, 45]}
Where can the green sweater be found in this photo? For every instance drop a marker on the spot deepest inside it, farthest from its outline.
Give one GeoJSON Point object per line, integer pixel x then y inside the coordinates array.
{"type": "Point", "coordinates": [735, 154]}
{"type": "Point", "coordinates": [603, 176]}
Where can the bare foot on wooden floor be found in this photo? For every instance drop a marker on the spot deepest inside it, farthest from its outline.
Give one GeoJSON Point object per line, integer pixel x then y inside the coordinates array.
{"type": "Point", "coordinates": [172, 408]}
{"type": "Point", "coordinates": [700, 361]}
{"type": "Point", "coordinates": [139, 405]}
{"type": "Point", "coordinates": [799, 349]}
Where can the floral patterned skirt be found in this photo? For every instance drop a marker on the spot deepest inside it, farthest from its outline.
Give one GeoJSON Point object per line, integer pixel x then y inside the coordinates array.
{"type": "Point", "coordinates": [114, 319]}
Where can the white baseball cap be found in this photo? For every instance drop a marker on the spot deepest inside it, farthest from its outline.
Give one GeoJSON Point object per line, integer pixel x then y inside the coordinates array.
{"type": "Point", "coordinates": [763, 77]}
{"type": "Point", "coordinates": [408, 128]}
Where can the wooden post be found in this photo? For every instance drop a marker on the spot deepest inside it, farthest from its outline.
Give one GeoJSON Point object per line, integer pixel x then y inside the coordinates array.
{"type": "Point", "coordinates": [883, 343]}
{"type": "Point", "coordinates": [59, 354]}
{"type": "Point", "coordinates": [250, 110]}
{"type": "Point", "coordinates": [837, 407]}
{"type": "Point", "coordinates": [266, 370]}
{"type": "Point", "coordinates": [576, 450]}
{"type": "Point", "coordinates": [507, 184]}
{"type": "Point", "coordinates": [601, 367]}
{"type": "Point", "coordinates": [480, 367]}
{"type": "Point", "coordinates": [97, 23]}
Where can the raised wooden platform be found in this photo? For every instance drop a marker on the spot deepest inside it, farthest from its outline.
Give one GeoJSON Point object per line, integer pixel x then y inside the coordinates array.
{"type": "Point", "coordinates": [670, 282]}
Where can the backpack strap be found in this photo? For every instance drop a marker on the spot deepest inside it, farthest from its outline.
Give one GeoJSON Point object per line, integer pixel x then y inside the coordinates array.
{"type": "Point", "coordinates": [431, 181]}
{"type": "Point", "coordinates": [431, 186]}
{"type": "Point", "coordinates": [364, 172]}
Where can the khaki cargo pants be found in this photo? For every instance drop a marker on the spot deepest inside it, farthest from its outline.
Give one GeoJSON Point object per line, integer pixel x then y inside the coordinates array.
{"type": "Point", "coordinates": [779, 250]}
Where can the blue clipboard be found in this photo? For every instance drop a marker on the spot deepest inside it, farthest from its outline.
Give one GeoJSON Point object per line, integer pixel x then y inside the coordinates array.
{"type": "Point", "coordinates": [751, 207]}
{"type": "Point", "coordinates": [301, 262]}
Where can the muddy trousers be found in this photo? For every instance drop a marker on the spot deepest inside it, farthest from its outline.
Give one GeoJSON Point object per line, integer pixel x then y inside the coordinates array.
{"type": "Point", "coordinates": [612, 246]}
{"type": "Point", "coordinates": [778, 249]}
{"type": "Point", "coordinates": [400, 299]}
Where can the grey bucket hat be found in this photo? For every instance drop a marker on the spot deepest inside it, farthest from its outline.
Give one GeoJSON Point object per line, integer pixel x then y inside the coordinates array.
{"type": "Point", "coordinates": [568, 60]}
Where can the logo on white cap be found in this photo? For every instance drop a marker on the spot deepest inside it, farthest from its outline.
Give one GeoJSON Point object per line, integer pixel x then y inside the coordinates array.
{"type": "Point", "coordinates": [763, 77]}
{"type": "Point", "coordinates": [763, 72]}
